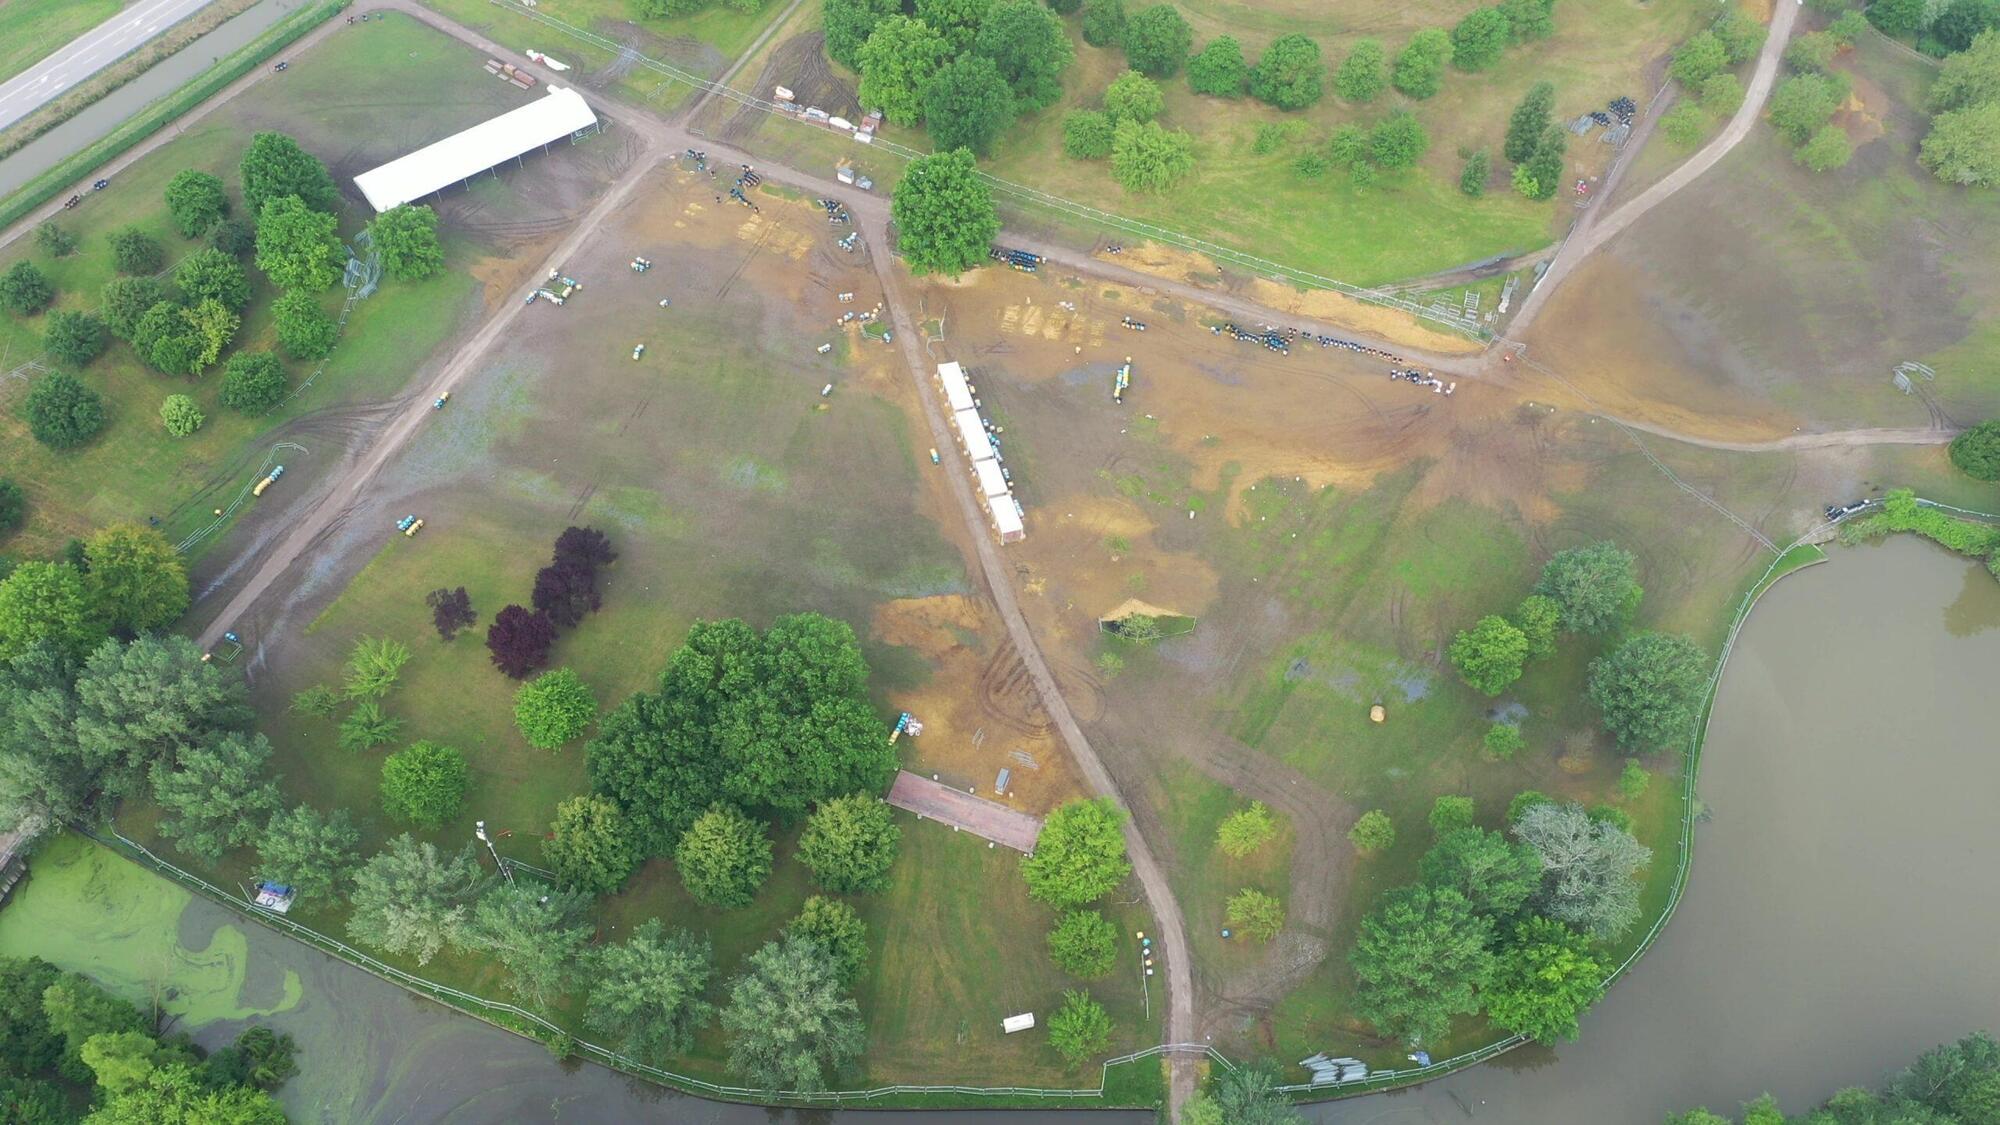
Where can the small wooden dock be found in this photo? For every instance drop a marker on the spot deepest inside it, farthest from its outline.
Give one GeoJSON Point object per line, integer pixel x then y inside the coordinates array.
{"type": "Point", "coordinates": [13, 861]}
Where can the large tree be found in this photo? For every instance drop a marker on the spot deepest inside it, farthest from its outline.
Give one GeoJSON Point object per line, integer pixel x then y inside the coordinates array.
{"type": "Point", "coordinates": [216, 795]}
{"type": "Point", "coordinates": [1968, 78]}
{"type": "Point", "coordinates": [148, 700]}
{"type": "Point", "coordinates": [46, 602]}
{"type": "Point", "coordinates": [850, 843]}
{"type": "Point", "coordinates": [74, 338]}
{"type": "Point", "coordinates": [312, 853]}
{"type": "Point", "coordinates": [1103, 23]}
{"type": "Point", "coordinates": [135, 579]}
{"type": "Point", "coordinates": [305, 329]}
{"type": "Point", "coordinates": [839, 932]}
{"type": "Point", "coordinates": [1804, 102]}
{"type": "Point", "coordinates": [176, 1094]}
{"type": "Point", "coordinates": [1490, 655]}
{"type": "Point", "coordinates": [554, 708]}
{"type": "Point", "coordinates": [373, 666]}
{"type": "Point", "coordinates": [1133, 97]}
{"type": "Point", "coordinates": [1963, 146]}
{"type": "Point", "coordinates": [957, 20]}
{"type": "Point", "coordinates": [1590, 868]}
{"type": "Point", "coordinates": [1079, 856]}
{"type": "Point", "coordinates": [1219, 69]}
{"type": "Point", "coordinates": [44, 778]}
{"type": "Point", "coordinates": [135, 252]}
{"type": "Point", "coordinates": [896, 65]}
{"type": "Point", "coordinates": [407, 239]}
{"type": "Point", "coordinates": [1420, 65]}
{"type": "Point", "coordinates": [519, 640]}
{"type": "Point", "coordinates": [196, 202]}
{"type": "Point", "coordinates": [253, 382]}
{"type": "Point", "coordinates": [1479, 39]}
{"type": "Point", "coordinates": [63, 413]}
{"type": "Point", "coordinates": [1084, 944]}
{"type": "Point", "coordinates": [538, 934]}
{"type": "Point", "coordinates": [424, 784]}
{"type": "Point", "coordinates": [1543, 978]}
{"type": "Point", "coordinates": [124, 300]}
{"type": "Point", "coordinates": [25, 289]}
{"type": "Point", "coordinates": [1364, 73]}
{"type": "Point", "coordinates": [566, 594]}
{"type": "Point", "coordinates": [1494, 874]}
{"type": "Point", "coordinates": [1528, 122]}
{"type": "Point", "coordinates": [967, 104]}
{"type": "Point", "coordinates": [589, 846]}
{"type": "Point", "coordinates": [849, 23]}
{"type": "Point", "coordinates": [1650, 689]}
{"type": "Point", "coordinates": [1157, 41]}
{"type": "Point", "coordinates": [1593, 585]}
{"type": "Point", "coordinates": [1419, 960]}
{"type": "Point", "coordinates": [213, 275]}
{"type": "Point", "coordinates": [1288, 73]}
{"type": "Point", "coordinates": [451, 610]}
{"type": "Point", "coordinates": [412, 899]}
{"type": "Point", "coordinates": [1976, 452]}
{"type": "Point", "coordinates": [1027, 43]}
{"type": "Point", "coordinates": [1150, 158]}
{"type": "Point", "coordinates": [945, 221]}
{"type": "Point", "coordinates": [1080, 1028]}
{"type": "Point", "coordinates": [647, 992]}
{"type": "Point", "coordinates": [274, 165]}
{"type": "Point", "coordinates": [298, 247]}
{"type": "Point", "coordinates": [723, 857]}
{"type": "Point", "coordinates": [790, 1019]}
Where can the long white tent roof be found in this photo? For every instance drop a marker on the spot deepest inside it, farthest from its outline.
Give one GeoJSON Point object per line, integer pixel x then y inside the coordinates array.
{"type": "Point", "coordinates": [559, 114]}
{"type": "Point", "coordinates": [956, 392]}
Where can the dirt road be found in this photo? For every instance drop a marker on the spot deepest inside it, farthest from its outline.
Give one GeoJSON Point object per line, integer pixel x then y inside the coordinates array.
{"type": "Point", "coordinates": [342, 497]}
{"type": "Point", "coordinates": [1593, 232]}
{"type": "Point", "coordinates": [1170, 928]}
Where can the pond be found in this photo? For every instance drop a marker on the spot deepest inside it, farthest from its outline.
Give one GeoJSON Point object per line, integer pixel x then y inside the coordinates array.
{"type": "Point", "coordinates": [1841, 914]}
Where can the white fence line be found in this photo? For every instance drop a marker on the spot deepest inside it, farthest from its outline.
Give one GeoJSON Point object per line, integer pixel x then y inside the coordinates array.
{"type": "Point", "coordinates": [482, 1007]}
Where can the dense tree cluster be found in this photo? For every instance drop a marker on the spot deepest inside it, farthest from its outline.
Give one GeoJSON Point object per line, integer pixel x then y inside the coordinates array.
{"type": "Point", "coordinates": [1510, 926]}
{"type": "Point", "coordinates": [565, 591]}
{"type": "Point", "coordinates": [773, 722]}
{"type": "Point", "coordinates": [68, 1041]}
{"type": "Point", "coordinates": [1963, 146]}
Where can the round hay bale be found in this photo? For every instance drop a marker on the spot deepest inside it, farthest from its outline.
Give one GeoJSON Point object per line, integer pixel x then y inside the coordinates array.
{"type": "Point", "coordinates": [1377, 714]}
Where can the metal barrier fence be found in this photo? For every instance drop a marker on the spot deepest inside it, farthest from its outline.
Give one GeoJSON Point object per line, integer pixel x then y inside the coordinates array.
{"type": "Point", "coordinates": [1023, 193]}
{"type": "Point", "coordinates": [516, 1019]}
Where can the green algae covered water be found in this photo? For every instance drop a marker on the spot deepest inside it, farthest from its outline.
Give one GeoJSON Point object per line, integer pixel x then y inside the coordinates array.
{"type": "Point", "coordinates": [371, 1053]}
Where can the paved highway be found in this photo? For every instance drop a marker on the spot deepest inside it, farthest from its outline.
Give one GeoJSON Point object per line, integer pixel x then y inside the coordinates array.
{"type": "Point", "coordinates": [89, 53]}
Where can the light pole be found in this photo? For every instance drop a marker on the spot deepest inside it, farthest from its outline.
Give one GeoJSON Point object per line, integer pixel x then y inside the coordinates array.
{"type": "Point", "coordinates": [479, 830]}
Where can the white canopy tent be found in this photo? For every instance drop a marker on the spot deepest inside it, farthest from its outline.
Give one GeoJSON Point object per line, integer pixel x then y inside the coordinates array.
{"type": "Point", "coordinates": [561, 113]}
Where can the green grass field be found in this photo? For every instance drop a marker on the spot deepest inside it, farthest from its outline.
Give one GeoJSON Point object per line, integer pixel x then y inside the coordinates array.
{"type": "Point", "coordinates": [31, 29]}
{"type": "Point", "coordinates": [134, 469]}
